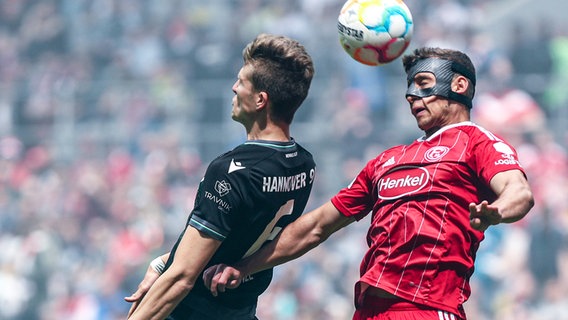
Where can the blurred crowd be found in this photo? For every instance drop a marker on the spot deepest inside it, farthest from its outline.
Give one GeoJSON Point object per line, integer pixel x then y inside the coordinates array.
{"type": "Point", "coordinates": [111, 109]}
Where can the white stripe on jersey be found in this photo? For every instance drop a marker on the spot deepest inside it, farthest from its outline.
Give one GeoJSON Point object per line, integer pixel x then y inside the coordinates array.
{"type": "Point", "coordinates": [443, 315]}
{"type": "Point", "coordinates": [488, 133]}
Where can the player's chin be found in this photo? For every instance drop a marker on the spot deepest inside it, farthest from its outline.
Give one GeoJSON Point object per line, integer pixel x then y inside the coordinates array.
{"type": "Point", "coordinates": [234, 114]}
{"type": "Point", "coordinates": [422, 123]}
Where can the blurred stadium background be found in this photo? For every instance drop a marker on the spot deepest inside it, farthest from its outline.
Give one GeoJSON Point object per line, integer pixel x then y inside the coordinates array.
{"type": "Point", "coordinates": [110, 110]}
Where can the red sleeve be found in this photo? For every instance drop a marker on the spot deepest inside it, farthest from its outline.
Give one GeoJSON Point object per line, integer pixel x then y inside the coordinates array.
{"type": "Point", "coordinates": [494, 156]}
{"type": "Point", "coordinates": [357, 200]}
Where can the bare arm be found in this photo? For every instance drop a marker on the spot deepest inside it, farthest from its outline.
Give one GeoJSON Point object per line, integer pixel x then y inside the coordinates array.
{"type": "Point", "coordinates": [514, 200]}
{"type": "Point", "coordinates": [296, 239]}
{"type": "Point", "coordinates": [149, 278]}
{"type": "Point", "coordinates": [193, 253]}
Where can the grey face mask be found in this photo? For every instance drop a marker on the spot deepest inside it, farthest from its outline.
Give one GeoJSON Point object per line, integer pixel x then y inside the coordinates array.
{"type": "Point", "coordinates": [444, 71]}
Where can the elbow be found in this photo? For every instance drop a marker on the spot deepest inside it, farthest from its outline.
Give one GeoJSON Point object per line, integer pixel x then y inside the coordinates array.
{"type": "Point", "coordinates": [527, 198]}
{"type": "Point", "coordinates": [306, 242]}
{"type": "Point", "coordinates": [530, 201]}
{"type": "Point", "coordinates": [326, 222]}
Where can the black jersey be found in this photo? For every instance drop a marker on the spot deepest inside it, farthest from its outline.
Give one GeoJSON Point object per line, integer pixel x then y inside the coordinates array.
{"type": "Point", "coordinates": [246, 197]}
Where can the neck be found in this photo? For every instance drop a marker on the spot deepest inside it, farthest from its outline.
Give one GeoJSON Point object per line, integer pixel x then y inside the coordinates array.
{"type": "Point", "coordinates": [459, 114]}
{"type": "Point", "coordinates": [432, 131]}
{"type": "Point", "coordinates": [270, 132]}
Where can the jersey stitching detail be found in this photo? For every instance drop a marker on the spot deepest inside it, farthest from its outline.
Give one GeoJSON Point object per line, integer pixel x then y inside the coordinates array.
{"type": "Point", "coordinates": [207, 228]}
{"type": "Point", "coordinates": [264, 144]}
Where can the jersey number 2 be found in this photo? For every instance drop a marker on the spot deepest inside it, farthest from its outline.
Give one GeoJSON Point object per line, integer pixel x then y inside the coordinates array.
{"type": "Point", "coordinates": [270, 232]}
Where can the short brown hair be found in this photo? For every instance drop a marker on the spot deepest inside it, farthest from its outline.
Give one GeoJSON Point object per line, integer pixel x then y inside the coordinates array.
{"type": "Point", "coordinates": [283, 69]}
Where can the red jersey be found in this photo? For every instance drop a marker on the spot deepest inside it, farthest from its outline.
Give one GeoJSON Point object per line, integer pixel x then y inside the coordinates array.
{"type": "Point", "coordinates": [421, 245]}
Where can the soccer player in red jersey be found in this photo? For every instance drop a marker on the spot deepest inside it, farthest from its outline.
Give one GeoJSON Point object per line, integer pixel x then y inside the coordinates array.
{"type": "Point", "coordinates": [430, 201]}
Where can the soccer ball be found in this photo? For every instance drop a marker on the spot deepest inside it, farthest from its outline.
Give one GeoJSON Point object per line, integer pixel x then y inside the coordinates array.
{"type": "Point", "coordinates": [375, 32]}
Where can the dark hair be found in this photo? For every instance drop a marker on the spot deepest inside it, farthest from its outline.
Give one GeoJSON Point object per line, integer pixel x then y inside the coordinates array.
{"type": "Point", "coordinates": [408, 61]}
{"type": "Point", "coordinates": [283, 69]}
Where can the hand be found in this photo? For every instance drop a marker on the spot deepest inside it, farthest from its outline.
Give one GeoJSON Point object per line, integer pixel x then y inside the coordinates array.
{"type": "Point", "coordinates": [221, 276]}
{"type": "Point", "coordinates": [482, 215]}
{"type": "Point", "coordinates": [149, 278]}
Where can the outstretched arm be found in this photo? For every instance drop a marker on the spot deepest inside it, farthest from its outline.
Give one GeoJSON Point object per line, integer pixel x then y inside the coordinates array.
{"type": "Point", "coordinates": [192, 255]}
{"type": "Point", "coordinates": [514, 200]}
{"type": "Point", "coordinates": [296, 239]}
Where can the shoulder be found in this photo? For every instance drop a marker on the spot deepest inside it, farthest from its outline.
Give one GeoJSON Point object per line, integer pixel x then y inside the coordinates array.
{"type": "Point", "coordinates": [466, 133]}
{"type": "Point", "coordinates": [236, 160]}
{"type": "Point", "coordinates": [474, 130]}
{"type": "Point", "coordinates": [243, 152]}
{"type": "Point", "coordinates": [259, 151]}
{"type": "Point", "coordinates": [304, 151]}
{"type": "Point", "coordinates": [482, 140]}
{"type": "Point", "coordinates": [260, 156]}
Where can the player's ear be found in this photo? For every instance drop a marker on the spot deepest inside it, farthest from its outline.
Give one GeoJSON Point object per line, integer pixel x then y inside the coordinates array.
{"type": "Point", "coordinates": [460, 84]}
{"type": "Point", "coordinates": [261, 100]}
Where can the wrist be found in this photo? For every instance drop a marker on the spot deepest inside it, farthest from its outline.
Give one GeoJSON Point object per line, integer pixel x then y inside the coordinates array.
{"type": "Point", "coordinates": [158, 265]}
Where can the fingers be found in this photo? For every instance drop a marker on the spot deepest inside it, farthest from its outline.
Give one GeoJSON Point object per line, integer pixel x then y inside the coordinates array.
{"type": "Point", "coordinates": [477, 224]}
{"type": "Point", "coordinates": [138, 294]}
{"type": "Point", "coordinates": [143, 287]}
{"type": "Point", "coordinates": [137, 297]}
{"type": "Point", "coordinates": [230, 278]}
{"type": "Point", "coordinates": [218, 280]}
{"type": "Point", "coordinates": [220, 277]}
{"type": "Point", "coordinates": [483, 215]}
{"type": "Point", "coordinates": [233, 283]}
{"type": "Point", "coordinates": [476, 210]}
{"type": "Point", "coordinates": [208, 275]}
{"type": "Point", "coordinates": [149, 278]}
{"type": "Point", "coordinates": [472, 210]}
{"type": "Point", "coordinates": [216, 287]}
{"type": "Point", "coordinates": [133, 297]}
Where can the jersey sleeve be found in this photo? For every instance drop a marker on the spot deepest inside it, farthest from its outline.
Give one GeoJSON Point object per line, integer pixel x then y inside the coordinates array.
{"type": "Point", "coordinates": [356, 200]}
{"type": "Point", "coordinates": [492, 156]}
{"type": "Point", "coordinates": [218, 197]}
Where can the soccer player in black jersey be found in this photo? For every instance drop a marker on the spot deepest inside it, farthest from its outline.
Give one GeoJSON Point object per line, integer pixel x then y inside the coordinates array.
{"type": "Point", "coordinates": [246, 196]}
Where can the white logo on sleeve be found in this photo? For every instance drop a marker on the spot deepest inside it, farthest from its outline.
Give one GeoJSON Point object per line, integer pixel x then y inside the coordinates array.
{"type": "Point", "coordinates": [507, 154]}
{"type": "Point", "coordinates": [235, 165]}
{"type": "Point", "coordinates": [503, 148]}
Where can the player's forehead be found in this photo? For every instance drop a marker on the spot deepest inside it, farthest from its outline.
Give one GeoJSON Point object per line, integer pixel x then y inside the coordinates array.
{"type": "Point", "coordinates": [245, 73]}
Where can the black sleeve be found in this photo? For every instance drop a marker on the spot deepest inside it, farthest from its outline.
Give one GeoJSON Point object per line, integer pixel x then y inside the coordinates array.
{"type": "Point", "coordinates": [219, 197]}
